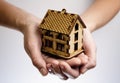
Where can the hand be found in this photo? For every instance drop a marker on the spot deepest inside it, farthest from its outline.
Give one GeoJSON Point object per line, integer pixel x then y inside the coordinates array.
{"type": "Point", "coordinates": [77, 65]}
{"type": "Point", "coordinates": [88, 58]}
{"type": "Point", "coordinates": [32, 45]}
{"type": "Point", "coordinates": [65, 69]}
{"type": "Point", "coordinates": [54, 67]}
{"type": "Point", "coordinates": [89, 50]}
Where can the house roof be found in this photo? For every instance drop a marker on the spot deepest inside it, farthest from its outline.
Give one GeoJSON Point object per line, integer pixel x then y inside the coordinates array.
{"type": "Point", "coordinates": [60, 21]}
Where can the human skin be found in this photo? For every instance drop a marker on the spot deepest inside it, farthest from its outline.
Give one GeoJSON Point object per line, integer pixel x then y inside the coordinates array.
{"type": "Point", "coordinates": [27, 23]}
{"type": "Point", "coordinates": [104, 10]}
{"type": "Point", "coordinates": [20, 20]}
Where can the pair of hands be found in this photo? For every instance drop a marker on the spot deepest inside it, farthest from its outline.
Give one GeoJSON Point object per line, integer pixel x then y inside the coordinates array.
{"type": "Point", "coordinates": [65, 69]}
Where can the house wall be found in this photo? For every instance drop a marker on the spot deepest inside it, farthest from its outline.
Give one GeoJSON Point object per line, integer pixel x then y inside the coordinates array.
{"type": "Point", "coordinates": [53, 47]}
{"type": "Point", "coordinates": [72, 40]}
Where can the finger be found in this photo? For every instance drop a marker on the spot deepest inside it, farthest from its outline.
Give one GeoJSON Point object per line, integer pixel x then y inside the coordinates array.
{"type": "Point", "coordinates": [83, 58]}
{"type": "Point", "coordinates": [53, 66]}
{"type": "Point", "coordinates": [74, 62]}
{"type": "Point", "coordinates": [67, 70]}
{"type": "Point", "coordinates": [36, 57]}
{"type": "Point", "coordinates": [84, 61]}
{"type": "Point", "coordinates": [91, 64]}
{"type": "Point", "coordinates": [79, 61]}
{"type": "Point", "coordinates": [59, 72]}
{"type": "Point", "coordinates": [50, 59]}
{"type": "Point", "coordinates": [60, 75]}
{"type": "Point", "coordinates": [50, 69]}
{"type": "Point", "coordinates": [39, 62]}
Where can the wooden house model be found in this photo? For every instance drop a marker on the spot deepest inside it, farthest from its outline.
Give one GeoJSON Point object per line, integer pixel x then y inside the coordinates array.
{"type": "Point", "coordinates": [62, 33]}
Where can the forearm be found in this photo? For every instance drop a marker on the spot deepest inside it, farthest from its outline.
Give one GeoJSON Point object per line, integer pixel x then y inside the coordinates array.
{"type": "Point", "coordinates": [100, 13]}
{"type": "Point", "coordinates": [15, 17]}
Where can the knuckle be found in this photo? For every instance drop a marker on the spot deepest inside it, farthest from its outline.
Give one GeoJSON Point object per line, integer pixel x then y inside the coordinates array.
{"type": "Point", "coordinates": [61, 63]}
{"type": "Point", "coordinates": [55, 62]}
{"type": "Point", "coordinates": [93, 63]}
{"type": "Point", "coordinates": [77, 61]}
{"type": "Point", "coordinates": [85, 61]}
{"type": "Point", "coordinates": [37, 63]}
{"type": "Point", "coordinates": [34, 62]}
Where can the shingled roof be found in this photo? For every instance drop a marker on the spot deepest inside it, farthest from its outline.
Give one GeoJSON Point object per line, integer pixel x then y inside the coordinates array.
{"type": "Point", "coordinates": [60, 21]}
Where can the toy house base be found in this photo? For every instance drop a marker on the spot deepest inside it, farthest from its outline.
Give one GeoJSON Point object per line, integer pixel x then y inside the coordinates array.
{"type": "Point", "coordinates": [60, 54]}
{"type": "Point", "coordinates": [59, 57]}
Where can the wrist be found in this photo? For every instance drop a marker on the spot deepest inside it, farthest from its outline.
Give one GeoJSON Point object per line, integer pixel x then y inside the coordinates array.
{"type": "Point", "coordinates": [31, 23]}
{"type": "Point", "coordinates": [90, 25]}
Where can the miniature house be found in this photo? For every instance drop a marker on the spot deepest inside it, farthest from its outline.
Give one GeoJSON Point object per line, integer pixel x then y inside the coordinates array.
{"type": "Point", "coordinates": [62, 33]}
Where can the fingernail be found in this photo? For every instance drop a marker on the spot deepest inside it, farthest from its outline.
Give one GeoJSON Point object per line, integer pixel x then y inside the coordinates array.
{"type": "Point", "coordinates": [43, 71]}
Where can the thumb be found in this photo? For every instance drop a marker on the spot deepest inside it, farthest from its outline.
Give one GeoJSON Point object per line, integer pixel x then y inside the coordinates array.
{"type": "Point", "coordinates": [39, 62]}
{"type": "Point", "coordinates": [36, 58]}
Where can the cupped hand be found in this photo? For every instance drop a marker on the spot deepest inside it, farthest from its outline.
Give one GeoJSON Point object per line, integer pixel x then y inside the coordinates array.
{"type": "Point", "coordinates": [61, 68]}
{"type": "Point", "coordinates": [88, 57]}
{"type": "Point", "coordinates": [72, 68]}
{"type": "Point", "coordinates": [32, 45]}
